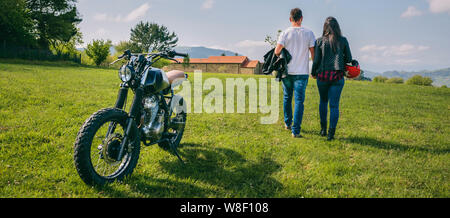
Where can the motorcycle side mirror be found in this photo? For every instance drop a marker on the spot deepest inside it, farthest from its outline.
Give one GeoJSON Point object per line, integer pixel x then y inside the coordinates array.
{"type": "Point", "coordinates": [126, 53]}
{"type": "Point", "coordinates": [171, 54]}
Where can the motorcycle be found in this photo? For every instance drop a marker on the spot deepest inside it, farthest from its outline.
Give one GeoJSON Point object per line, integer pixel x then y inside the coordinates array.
{"type": "Point", "coordinates": [107, 146]}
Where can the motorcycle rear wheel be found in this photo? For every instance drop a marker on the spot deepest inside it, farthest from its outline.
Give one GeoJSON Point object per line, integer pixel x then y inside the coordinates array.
{"type": "Point", "coordinates": [176, 133]}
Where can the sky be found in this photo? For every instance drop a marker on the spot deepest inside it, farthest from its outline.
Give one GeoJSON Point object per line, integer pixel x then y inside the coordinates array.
{"type": "Point", "coordinates": [384, 35]}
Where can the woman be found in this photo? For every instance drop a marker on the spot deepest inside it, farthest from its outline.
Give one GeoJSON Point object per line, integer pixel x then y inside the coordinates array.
{"type": "Point", "coordinates": [332, 52]}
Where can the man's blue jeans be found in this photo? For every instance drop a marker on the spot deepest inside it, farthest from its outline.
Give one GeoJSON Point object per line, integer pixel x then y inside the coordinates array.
{"type": "Point", "coordinates": [294, 86]}
{"type": "Point", "coordinates": [330, 92]}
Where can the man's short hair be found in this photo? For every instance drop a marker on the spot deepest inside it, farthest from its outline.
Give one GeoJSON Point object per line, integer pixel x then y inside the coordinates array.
{"type": "Point", "coordinates": [296, 14]}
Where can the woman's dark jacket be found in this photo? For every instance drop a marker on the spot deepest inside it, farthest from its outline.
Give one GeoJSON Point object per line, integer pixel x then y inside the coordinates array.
{"type": "Point", "coordinates": [325, 59]}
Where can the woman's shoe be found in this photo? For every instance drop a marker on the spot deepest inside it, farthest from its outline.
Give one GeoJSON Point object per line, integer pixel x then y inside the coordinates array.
{"type": "Point", "coordinates": [296, 136]}
{"type": "Point", "coordinates": [323, 131]}
{"type": "Point", "coordinates": [331, 133]}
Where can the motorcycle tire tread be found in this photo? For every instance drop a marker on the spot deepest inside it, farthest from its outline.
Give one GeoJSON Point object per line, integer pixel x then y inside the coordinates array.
{"type": "Point", "coordinates": [83, 142]}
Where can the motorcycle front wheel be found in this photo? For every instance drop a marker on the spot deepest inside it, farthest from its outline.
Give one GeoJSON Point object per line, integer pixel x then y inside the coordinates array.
{"type": "Point", "coordinates": [97, 147]}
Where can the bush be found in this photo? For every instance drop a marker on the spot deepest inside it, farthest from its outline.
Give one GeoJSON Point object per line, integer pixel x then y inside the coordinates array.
{"type": "Point", "coordinates": [395, 80]}
{"type": "Point", "coordinates": [98, 51]}
{"type": "Point", "coordinates": [380, 79]}
{"type": "Point", "coordinates": [419, 80]}
{"type": "Point", "coordinates": [444, 86]}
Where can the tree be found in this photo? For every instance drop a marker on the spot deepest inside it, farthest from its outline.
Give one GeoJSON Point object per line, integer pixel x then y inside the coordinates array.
{"type": "Point", "coordinates": [98, 51]}
{"type": "Point", "coordinates": [395, 80]}
{"type": "Point", "coordinates": [69, 47]}
{"type": "Point", "coordinates": [186, 61]}
{"type": "Point", "coordinates": [16, 24]}
{"type": "Point", "coordinates": [380, 79]}
{"type": "Point", "coordinates": [419, 80]}
{"type": "Point", "coordinates": [148, 37]}
{"type": "Point", "coordinates": [271, 41]}
{"type": "Point", "coordinates": [122, 46]}
{"type": "Point", "coordinates": [54, 21]}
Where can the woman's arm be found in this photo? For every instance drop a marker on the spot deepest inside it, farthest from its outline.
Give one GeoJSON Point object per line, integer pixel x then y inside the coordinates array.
{"type": "Point", "coordinates": [317, 59]}
{"type": "Point", "coordinates": [347, 53]}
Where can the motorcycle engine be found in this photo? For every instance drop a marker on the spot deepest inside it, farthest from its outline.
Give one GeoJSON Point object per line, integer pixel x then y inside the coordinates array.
{"type": "Point", "coordinates": [152, 120]}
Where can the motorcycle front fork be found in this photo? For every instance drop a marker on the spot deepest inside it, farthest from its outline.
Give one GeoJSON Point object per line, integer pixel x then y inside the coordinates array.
{"type": "Point", "coordinates": [131, 127]}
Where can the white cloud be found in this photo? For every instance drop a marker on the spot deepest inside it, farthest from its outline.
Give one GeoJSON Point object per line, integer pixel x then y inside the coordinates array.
{"type": "Point", "coordinates": [254, 49]}
{"type": "Point", "coordinates": [137, 13]}
{"type": "Point", "coordinates": [400, 50]}
{"type": "Point", "coordinates": [404, 54]}
{"type": "Point", "coordinates": [423, 48]}
{"type": "Point", "coordinates": [101, 17]}
{"type": "Point", "coordinates": [406, 61]}
{"type": "Point", "coordinates": [411, 12]}
{"type": "Point", "coordinates": [132, 16]}
{"type": "Point", "coordinates": [207, 4]}
{"type": "Point", "coordinates": [251, 43]}
{"type": "Point", "coordinates": [101, 32]}
{"type": "Point", "coordinates": [439, 6]}
{"type": "Point", "coordinates": [395, 50]}
{"type": "Point", "coordinates": [370, 48]}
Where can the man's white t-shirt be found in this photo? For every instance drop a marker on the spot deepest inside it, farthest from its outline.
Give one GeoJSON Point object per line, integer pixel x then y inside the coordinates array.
{"type": "Point", "coordinates": [298, 40]}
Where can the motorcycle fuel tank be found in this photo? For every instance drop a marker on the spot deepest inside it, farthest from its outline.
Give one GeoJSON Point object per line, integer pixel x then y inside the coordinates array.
{"type": "Point", "coordinates": [155, 80]}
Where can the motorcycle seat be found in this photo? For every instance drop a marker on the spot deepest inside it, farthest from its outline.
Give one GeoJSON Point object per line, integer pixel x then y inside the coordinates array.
{"type": "Point", "coordinates": [174, 75]}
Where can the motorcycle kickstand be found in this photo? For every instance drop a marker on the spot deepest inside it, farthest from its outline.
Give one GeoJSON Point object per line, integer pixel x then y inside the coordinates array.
{"type": "Point", "coordinates": [174, 150]}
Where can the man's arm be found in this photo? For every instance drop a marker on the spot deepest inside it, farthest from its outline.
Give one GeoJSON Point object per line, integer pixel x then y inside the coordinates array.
{"type": "Point", "coordinates": [311, 50]}
{"type": "Point", "coordinates": [278, 49]}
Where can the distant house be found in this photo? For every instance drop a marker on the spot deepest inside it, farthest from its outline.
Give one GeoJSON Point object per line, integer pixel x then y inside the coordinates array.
{"type": "Point", "coordinates": [219, 64]}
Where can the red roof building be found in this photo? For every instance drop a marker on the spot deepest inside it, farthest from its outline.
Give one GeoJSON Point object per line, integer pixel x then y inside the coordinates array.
{"type": "Point", "coordinates": [219, 64]}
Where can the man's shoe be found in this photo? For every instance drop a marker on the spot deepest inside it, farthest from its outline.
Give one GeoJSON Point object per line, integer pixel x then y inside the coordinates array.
{"type": "Point", "coordinates": [296, 136]}
{"type": "Point", "coordinates": [331, 133]}
{"type": "Point", "coordinates": [286, 127]}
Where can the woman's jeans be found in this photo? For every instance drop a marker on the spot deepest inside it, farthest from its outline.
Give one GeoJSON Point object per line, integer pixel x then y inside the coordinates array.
{"type": "Point", "coordinates": [330, 92]}
{"type": "Point", "coordinates": [294, 85]}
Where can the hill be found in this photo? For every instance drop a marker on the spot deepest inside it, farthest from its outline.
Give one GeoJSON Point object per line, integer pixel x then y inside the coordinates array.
{"type": "Point", "coordinates": [203, 52]}
{"type": "Point", "coordinates": [440, 77]}
{"type": "Point", "coordinates": [194, 52]}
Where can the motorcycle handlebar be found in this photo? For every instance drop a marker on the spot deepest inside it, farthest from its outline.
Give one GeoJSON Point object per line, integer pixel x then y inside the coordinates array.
{"type": "Point", "coordinates": [127, 54]}
{"type": "Point", "coordinates": [180, 54]}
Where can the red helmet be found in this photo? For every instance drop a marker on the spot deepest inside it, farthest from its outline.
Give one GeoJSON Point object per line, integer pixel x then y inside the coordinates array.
{"type": "Point", "coordinates": [352, 70]}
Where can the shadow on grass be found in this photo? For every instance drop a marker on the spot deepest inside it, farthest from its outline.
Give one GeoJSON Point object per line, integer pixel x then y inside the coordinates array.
{"type": "Point", "coordinates": [376, 143]}
{"type": "Point", "coordinates": [208, 172]}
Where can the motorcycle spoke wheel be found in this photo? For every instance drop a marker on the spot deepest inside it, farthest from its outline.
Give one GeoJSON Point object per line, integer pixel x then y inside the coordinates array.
{"type": "Point", "coordinates": [105, 150]}
{"type": "Point", "coordinates": [97, 148]}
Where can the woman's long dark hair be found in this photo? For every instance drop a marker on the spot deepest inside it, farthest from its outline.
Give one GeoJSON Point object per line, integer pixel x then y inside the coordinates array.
{"type": "Point", "coordinates": [332, 32]}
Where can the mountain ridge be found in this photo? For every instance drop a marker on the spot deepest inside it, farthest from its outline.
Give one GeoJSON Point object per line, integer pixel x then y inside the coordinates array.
{"type": "Point", "coordinates": [440, 76]}
{"type": "Point", "coordinates": [204, 52]}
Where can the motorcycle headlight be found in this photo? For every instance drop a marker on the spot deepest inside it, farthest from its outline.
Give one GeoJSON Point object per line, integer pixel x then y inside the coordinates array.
{"type": "Point", "coordinates": [125, 73]}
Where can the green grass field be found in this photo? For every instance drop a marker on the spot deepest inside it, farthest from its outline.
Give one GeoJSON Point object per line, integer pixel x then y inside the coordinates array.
{"type": "Point", "coordinates": [392, 141]}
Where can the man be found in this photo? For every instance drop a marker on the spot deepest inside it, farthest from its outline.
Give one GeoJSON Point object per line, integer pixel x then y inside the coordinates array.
{"type": "Point", "coordinates": [299, 42]}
